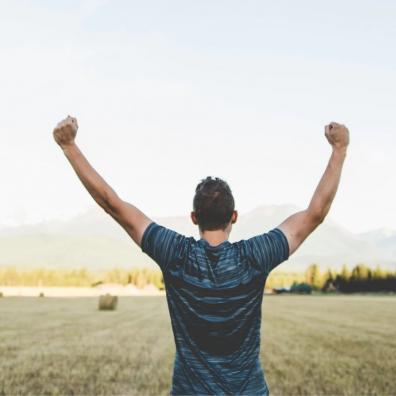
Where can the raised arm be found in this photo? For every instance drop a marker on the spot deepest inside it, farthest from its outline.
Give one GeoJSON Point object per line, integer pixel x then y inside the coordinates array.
{"type": "Point", "coordinates": [298, 226]}
{"type": "Point", "coordinates": [128, 216]}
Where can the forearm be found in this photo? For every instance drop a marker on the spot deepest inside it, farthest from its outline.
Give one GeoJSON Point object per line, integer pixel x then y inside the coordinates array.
{"type": "Point", "coordinates": [298, 226]}
{"type": "Point", "coordinates": [328, 185]}
{"type": "Point", "coordinates": [100, 191]}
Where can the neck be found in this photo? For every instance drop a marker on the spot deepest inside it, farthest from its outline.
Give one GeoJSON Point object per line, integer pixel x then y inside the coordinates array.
{"type": "Point", "coordinates": [215, 237]}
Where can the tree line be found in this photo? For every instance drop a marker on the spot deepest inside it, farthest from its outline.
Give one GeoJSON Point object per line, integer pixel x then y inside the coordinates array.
{"type": "Point", "coordinates": [44, 277]}
{"type": "Point", "coordinates": [360, 278]}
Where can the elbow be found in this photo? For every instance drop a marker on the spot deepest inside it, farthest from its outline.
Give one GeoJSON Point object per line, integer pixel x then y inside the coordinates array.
{"type": "Point", "coordinates": [320, 219]}
{"type": "Point", "coordinates": [106, 207]}
{"type": "Point", "coordinates": [107, 203]}
{"type": "Point", "coordinates": [110, 207]}
{"type": "Point", "coordinates": [317, 216]}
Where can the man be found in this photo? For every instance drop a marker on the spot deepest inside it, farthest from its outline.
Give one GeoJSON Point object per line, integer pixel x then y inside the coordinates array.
{"type": "Point", "coordinates": [214, 288]}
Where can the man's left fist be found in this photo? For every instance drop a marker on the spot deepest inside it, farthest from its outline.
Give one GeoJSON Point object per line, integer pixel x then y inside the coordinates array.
{"type": "Point", "coordinates": [65, 132]}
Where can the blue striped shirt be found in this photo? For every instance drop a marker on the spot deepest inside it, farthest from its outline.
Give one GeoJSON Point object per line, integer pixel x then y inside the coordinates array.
{"type": "Point", "coordinates": [214, 296]}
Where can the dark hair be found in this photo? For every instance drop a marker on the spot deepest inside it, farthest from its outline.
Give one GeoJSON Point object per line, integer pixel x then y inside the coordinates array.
{"type": "Point", "coordinates": [213, 204]}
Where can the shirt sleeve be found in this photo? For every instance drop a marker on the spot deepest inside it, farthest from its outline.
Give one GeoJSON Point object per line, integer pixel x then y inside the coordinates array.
{"type": "Point", "coordinates": [164, 246]}
{"type": "Point", "coordinates": [268, 250]}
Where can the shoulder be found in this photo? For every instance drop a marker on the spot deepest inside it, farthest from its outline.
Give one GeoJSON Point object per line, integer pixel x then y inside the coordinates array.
{"type": "Point", "coordinates": [266, 238]}
{"type": "Point", "coordinates": [269, 248]}
{"type": "Point", "coordinates": [166, 247]}
{"type": "Point", "coordinates": [156, 234]}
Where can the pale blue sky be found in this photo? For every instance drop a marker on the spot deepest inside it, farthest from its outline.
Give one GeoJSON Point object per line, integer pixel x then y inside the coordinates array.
{"type": "Point", "coordinates": [169, 92]}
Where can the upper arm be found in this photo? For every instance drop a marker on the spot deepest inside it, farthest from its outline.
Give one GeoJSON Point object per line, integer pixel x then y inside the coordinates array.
{"type": "Point", "coordinates": [297, 227]}
{"type": "Point", "coordinates": [129, 217]}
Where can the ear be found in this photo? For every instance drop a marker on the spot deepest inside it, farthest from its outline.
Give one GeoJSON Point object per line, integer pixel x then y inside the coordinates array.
{"type": "Point", "coordinates": [234, 217]}
{"type": "Point", "coordinates": [194, 218]}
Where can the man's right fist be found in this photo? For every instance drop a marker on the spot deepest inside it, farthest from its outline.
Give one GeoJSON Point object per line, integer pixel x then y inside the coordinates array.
{"type": "Point", "coordinates": [337, 135]}
{"type": "Point", "coordinates": [65, 132]}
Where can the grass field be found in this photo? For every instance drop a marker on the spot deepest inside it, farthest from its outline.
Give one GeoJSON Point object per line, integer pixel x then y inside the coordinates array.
{"type": "Point", "coordinates": [311, 345]}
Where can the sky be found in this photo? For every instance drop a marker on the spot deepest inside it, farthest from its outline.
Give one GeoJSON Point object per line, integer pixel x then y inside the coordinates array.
{"type": "Point", "coordinates": [167, 93]}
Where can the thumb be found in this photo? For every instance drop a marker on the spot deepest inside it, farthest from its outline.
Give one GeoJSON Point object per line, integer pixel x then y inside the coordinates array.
{"type": "Point", "coordinates": [327, 130]}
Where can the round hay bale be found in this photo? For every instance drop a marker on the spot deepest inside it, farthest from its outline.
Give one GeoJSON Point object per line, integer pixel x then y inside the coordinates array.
{"type": "Point", "coordinates": [108, 302]}
{"type": "Point", "coordinates": [41, 294]}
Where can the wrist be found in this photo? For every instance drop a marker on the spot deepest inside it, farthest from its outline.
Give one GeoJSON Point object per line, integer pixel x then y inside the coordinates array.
{"type": "Point", "coordinates": [68, 148]}
{"type": "Point", "coordinates": [340, 151]}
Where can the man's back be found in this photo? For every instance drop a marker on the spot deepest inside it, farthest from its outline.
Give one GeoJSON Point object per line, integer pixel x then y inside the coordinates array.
{"type": "Point", "coordinates": [214, 296]}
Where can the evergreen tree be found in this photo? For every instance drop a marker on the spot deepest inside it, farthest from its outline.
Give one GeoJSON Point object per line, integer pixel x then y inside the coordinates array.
{"type": "Point", "coordinates": [312, 276]}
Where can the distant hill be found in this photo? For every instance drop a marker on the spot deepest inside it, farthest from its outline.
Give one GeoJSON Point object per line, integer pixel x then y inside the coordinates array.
{"type": "Point", "coordinates": [383, 238]}
{"type": "Point", "coordinates": [93, 240]}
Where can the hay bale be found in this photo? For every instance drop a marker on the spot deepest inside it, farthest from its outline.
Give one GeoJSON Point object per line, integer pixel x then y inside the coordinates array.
{"type": "Point", "coordinates": [41, 294]}
{"type": "Point", "coordinates": [1, 294]}
{"type": "Point", "coordinates": [108, 302]}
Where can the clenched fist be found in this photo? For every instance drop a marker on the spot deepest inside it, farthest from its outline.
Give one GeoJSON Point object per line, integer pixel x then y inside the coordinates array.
{"type": "Point", "coordinates": [337, 135]}
{"type": "Point", "coordinates": [65, 132]}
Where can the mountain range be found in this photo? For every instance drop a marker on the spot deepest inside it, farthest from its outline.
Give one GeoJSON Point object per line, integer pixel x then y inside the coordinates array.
{"type": "Point", "coordinates": [93, 240]}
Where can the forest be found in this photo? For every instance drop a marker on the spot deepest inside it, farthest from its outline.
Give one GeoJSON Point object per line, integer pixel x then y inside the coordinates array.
{"type": "Point", "coordinates": [361, 278]}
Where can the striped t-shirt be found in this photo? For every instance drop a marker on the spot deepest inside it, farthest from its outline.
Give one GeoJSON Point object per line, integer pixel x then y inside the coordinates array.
{"type": "Point", "coordinates": [214, 296]}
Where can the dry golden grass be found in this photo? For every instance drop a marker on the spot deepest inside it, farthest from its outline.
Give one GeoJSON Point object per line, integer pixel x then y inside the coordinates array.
{"type": "Point", "coordinates": [311, 345]}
